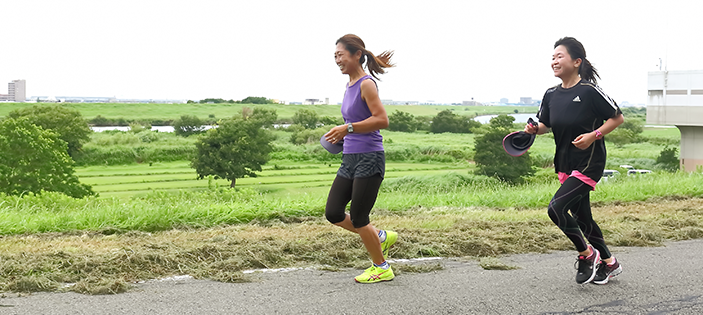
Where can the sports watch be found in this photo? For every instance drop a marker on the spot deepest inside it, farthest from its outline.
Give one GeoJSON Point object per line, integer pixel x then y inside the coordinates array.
{"type": "Point", "coordinates": [350, 128]}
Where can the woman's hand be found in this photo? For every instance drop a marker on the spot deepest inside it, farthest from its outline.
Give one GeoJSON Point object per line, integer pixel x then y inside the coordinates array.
{"type": "Point", "coordinates": [584, 141]}
{"type": "Point", "coordinates": [531, 129]}
{"type": "Point", "coordinates": [335, 134]}
{"type": "Point", "coordinates": [535, 128]}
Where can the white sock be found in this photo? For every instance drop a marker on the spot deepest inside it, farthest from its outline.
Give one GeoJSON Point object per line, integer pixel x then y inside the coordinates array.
{"type": "Point", "coordinates": [382, 235]}
{"type": "Point", "coordinates": [385, 265]}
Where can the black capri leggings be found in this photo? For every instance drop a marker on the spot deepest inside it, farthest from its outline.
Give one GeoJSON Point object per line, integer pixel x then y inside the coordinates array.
{"type": "Point", "coordinates": [573, 195]}
{"type": "Point", "coordinates": [362, 191]}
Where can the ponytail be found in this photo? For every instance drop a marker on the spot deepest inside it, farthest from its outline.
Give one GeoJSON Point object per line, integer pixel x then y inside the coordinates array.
{"type": "Point", "coordinates": [375, 64]}
{"type": "Point", "coordinates": [588, 72]}
{"type": "Point", "coordinates": [575, 49]}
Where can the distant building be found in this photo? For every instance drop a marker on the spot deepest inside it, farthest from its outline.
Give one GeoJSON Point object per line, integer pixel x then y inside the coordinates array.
{"type": "Point", "coordinates": [88, 99]}
{"type": "Point", "coordinates": [311, 101]}
{"type": "Point", "coordinates": [392, 102]}
{"type": "Point", "coordinates": [526, 100]}
{"type": "Point", "coordinates": [676, 98]}
{"type": "Point", "coordinates": [504, 100]}
{"type": "Point", "coordinates": [471, 103]}
{"type": "Point", "coordinates": [16, 91]}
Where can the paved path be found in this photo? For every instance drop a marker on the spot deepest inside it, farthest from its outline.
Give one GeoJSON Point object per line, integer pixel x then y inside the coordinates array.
{"type": "Point", "coordinates": [661, 280]}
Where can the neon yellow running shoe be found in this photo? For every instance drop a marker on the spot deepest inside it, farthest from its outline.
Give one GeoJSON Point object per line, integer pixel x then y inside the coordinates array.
{"type": "Point", "coordinates": [375, 274]}
{"type": "Point", "coordinates": [391, 237]}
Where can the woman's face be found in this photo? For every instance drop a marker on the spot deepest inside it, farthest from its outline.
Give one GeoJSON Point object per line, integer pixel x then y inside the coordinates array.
{"type": "Point", "coordinates": [345, 60]}
{"type": "Point", "coordinates": [562, 64]}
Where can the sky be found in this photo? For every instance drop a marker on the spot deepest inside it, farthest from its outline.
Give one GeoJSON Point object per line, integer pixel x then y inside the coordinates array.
{"type": "Point", "coordinates": [445, 51]}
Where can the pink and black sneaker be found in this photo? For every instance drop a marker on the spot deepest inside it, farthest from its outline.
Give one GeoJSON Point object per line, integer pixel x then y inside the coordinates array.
{"type": "Point", "coordinates": [586, 266]}
{"type": "Point", "coordinates": [607, 271]}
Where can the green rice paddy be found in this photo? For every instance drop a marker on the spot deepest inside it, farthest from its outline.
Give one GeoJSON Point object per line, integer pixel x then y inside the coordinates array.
{"type": "Point", "coordinates": [125, 181]}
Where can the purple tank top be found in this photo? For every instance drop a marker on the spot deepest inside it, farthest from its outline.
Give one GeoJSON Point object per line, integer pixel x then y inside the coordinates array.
{"type": "Point", "coordinates": [355, 109]}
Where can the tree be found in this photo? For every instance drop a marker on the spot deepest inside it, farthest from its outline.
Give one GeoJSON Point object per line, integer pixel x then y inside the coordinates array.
{"type": "Point", "coordinates": [236, 148]}
{"type": "Point", "coordinates": [33, 159]}
{"type": "Point", "coordinates": [402, 121]}
{"type": "Point", "coordinates": [188, 125]}
{"type": "Point", "coordinates": [669, 160]}
{"type": "Point", "coordinates": [212, 100]}
{"type": "Point", "coordinates": [68, 124]}
{"type": "Point", "coordinates": [255, 100]}
{"type": "Point", "coordinates": [266, 116]}
{"type": "Point", "coordinates": [306, 118]}
{"type": "Point", "coordinates": [491, 159]}
{"type": "Point", "coordinates": [447, 121]}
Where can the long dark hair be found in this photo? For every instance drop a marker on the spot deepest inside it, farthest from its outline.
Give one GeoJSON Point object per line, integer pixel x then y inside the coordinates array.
{"type": "Point", "coordinates": [375, 64]}
{"type": "Point", "coordinates": [576, 51]}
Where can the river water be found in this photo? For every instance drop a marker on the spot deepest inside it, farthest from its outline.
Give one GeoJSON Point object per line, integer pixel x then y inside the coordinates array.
{"type": "Point", "coordinates": [484, 119]}
{"type": "Point", "coordinates": [519, 118]}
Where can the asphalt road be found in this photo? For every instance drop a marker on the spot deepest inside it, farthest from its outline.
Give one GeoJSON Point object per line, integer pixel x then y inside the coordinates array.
{"type": "Point", "coordinates": [660, 280]}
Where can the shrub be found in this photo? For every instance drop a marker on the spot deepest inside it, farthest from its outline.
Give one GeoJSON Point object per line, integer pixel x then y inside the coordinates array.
{"type": "Point", "coordinates": [629, 131]}
{"type": "Point", "coordinates": [136, 127]}
{"type": "Point", "coordinates": [188, 125]}
{"type": "Point", "coordinates": [122, 154]}
{"type": "Point", "coordinates": [668, 159]}
{"type": "Point", "coordinates": [331, 121]}
{"type": "Point", "coordinates": [304, 136]}
{"type": "Point", "coordinates": [491, 159]}
{"type": "Point", "coordinates": [423, 122]}
{"type": "Point", "coordinates": [402, 121]}
{"type": "Point", "coordinates": [306, 118]}
{"type": "Point", "coordinates": [148, 136]}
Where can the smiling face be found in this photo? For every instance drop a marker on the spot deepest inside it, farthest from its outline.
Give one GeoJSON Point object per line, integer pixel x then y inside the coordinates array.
{"type": "Point", "coordinates": [346, 62]}
{"type": "Point", "coordinates": [563, 65]}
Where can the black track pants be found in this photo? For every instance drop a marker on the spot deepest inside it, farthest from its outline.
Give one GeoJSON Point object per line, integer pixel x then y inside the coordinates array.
{"type": "Point", "coordinates": [573, 195]}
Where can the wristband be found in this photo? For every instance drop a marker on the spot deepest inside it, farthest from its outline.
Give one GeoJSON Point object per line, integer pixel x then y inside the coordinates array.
{"type": "Point", "coordinates": [599, 135]}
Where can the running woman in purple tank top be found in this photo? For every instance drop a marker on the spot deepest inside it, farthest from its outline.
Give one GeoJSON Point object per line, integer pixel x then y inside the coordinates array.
{"type": "Point", "coordinates": [363, 161]}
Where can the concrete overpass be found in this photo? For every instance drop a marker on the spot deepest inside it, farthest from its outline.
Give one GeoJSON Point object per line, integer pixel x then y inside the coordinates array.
{"type": "Point", "coordinates": [676, 98]}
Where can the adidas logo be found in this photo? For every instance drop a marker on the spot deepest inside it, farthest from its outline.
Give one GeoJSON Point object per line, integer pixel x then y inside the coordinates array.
{"type": "Point", "coordinates": [577, 99]}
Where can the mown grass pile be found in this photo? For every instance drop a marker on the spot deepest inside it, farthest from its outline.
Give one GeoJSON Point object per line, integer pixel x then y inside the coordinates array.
{"type": "Point", "coordinates": [110, 260]}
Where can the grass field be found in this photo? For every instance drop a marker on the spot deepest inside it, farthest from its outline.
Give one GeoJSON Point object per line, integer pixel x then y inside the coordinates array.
{"type": "Point", "coordinates": [276, 178]}
{"type": "Point", "coordinates": [283, 176]}
{"type": "Point", "coordinates": [203, 111]}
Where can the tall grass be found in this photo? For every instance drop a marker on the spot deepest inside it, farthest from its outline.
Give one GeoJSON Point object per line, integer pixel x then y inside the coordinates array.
{"type": "Point", "coordinates": [118, 147]}
{"type": "Point", "coordinates": [52, 212]}
{"type": "Point", "coordinates": [457, 190]}
{"type": "Point", "coordinates": [111, 148]}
